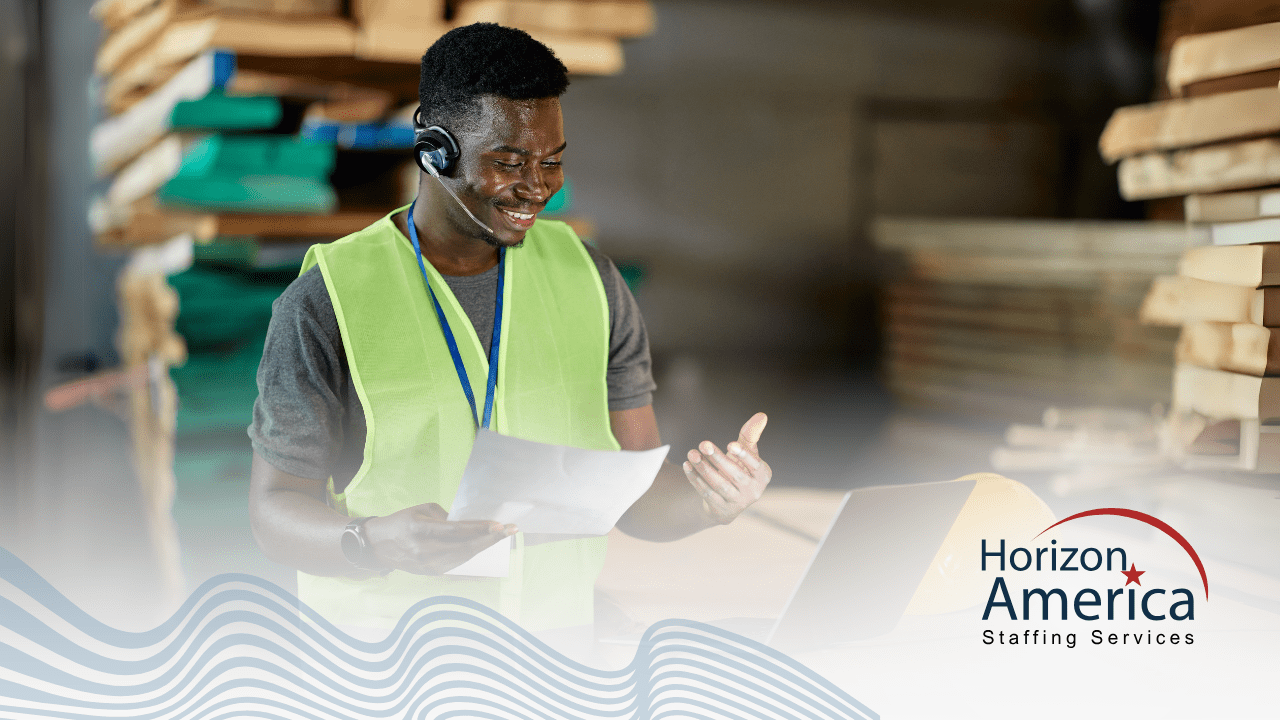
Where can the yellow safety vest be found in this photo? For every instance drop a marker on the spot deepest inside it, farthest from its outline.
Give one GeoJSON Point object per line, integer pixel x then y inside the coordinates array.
{"type": "Point", "coordinates": [551, 388]}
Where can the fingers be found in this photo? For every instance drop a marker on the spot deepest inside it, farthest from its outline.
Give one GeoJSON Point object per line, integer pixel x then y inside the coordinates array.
{"type": "Point", "coordinates": [751, 430]}
{"type": "Point", "coordinates": [749, 459]}
{"type": "Point", "coordinates": [718, 506]}
{"type": "Point", "coordinates": [722, 474]}
{"type": "Point", "coordinates": [423, 541]}
{"type": "Point", "coordinates": [728, 482]}
{"type": "Point", "coordinates": [449, 545]}
{"type": "Point", "coordinates": [461, 531]}
{"type": "Point", "coordinates": [726, 486]}
{"type": "Point", "coordinates": [438, 524]}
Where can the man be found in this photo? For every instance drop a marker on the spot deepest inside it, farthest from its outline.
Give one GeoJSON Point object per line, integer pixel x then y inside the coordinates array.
{"type": "Point", "coordinates": [362, 427]}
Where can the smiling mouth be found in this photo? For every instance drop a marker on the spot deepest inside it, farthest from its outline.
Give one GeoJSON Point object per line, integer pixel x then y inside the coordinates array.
{"type": "Point", "coordinates": [521, 220]}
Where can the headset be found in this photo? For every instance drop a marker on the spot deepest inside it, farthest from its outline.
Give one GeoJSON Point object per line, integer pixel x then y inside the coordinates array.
{"type": "Point", "coordinates": [434, 148]}
{"type": "Point", "coordinates": [436, 152]}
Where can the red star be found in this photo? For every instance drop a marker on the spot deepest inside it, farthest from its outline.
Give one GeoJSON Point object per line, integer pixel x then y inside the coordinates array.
{"type": "Point", "coordinates": [1132, 574]}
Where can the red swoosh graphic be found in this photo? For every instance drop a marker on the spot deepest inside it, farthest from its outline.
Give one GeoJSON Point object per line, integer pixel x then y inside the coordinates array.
{"type": "Point", "coordinates": [1153, 522]}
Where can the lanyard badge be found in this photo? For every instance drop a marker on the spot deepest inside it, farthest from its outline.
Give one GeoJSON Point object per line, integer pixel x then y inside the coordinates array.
{"type": "Point", "coordinates": [492, 384]}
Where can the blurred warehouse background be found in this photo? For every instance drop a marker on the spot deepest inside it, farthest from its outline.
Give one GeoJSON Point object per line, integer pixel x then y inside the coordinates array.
{"type": "Point", "coordinates": [887, 224]}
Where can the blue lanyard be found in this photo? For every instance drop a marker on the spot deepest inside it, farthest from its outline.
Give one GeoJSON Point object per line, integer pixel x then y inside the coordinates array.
{"type": "Point", "coordinates": [453, 344]}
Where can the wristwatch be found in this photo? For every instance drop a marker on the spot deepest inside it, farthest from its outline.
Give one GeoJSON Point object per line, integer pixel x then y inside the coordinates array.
{"type": "Point", "coordinates": [355, 546]}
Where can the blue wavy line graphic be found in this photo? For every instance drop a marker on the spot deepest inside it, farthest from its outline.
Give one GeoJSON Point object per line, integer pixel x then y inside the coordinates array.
{"type": "Point", "coordinates": [241, 647]}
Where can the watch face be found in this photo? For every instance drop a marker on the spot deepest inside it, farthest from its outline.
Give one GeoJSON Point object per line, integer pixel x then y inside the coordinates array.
{"type": "Point", "coordinates": [352, 547]}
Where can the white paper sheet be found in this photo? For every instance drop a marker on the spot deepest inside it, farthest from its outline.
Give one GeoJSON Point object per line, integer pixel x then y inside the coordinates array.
{"type": "Point", "coordinates": [494, 561]}
{"type": "Point", "coordinates": [552, 489]}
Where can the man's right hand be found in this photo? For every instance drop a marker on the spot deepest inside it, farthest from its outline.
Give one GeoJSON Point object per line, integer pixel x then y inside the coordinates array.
{"type": "Point", "coordinates": [422, 540]}
{"type": "Point", "coordinates": [294, 526]}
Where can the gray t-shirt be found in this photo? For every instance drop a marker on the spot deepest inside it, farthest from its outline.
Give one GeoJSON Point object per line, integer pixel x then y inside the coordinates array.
{"type": "Point", "coordinates": [308, 420]}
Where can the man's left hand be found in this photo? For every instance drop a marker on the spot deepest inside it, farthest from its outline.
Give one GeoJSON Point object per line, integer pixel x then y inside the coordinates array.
{"type": "Point", "coordinates": [730, 481]}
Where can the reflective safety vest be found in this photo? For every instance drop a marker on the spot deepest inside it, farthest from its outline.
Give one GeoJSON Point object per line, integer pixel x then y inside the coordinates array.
{"type": "Point", "coordinates": [551, 388]}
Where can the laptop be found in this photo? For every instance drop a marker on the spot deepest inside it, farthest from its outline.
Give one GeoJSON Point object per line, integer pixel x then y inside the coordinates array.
{"type": "Point", "coordinates": [865, 569]}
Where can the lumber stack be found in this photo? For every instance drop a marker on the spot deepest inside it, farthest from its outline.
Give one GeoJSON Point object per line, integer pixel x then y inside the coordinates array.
{"type": "Point", "coordinates": [1213, 140]}
{"type": "Point", "coordinates": [1218, 129]}
{"type": "Point", "coordinates": [1226, 300]}
{"type": "Point", "coordinates": [1001, 318]}
{"type": "Point", "coordinates": [1085, 449]}
{"type": "Point", "coordinates": [327, 90]}
{"type": "Point", "coordinates": [148, 347]}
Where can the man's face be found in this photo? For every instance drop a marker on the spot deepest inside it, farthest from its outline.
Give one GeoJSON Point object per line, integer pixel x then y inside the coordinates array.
{"type": "Point", "coordinates": [510, 166]}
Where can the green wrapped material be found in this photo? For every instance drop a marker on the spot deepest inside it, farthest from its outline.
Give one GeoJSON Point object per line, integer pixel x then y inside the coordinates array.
{"type": "Point", "coordinates": [201, 472]}
{"type": "Point", "coordinates": [237, 155]}
{"type": "Point", "coordinates": [220, 154]}
{"type": "Point", "coordinates": [223, 315]}
{"type": "Point", "coordinates": [218, 308]}
{"type": "Point", "coordinates": [216, 111]}
{"type": "Point", "coordinates": [250, 193]}
{"type": "Point", "coordinates": [216, 390]}
{"type": "Point", "coordinates": [234, 252]}
{"type": "Point", "coordinates": [248, 254]}
{"type": "Point", "coordinates": [308, 158]}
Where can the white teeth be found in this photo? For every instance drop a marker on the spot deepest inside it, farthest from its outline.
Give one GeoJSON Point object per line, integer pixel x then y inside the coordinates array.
{"type": "Point", "coordinates": [519, 216]}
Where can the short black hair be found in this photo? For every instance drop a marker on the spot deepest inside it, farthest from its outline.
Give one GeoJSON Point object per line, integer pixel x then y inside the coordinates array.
{"type": "Point", "coordinates": [485, 59]}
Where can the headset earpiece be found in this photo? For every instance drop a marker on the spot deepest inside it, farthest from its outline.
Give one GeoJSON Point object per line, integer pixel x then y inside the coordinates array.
{"type": "Point", "coordinates": [436, 152]}
{"type": "Point", "coordinates": [435, 146]}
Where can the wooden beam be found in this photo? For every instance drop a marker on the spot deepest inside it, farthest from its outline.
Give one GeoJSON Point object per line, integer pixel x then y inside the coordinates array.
{"type": "Point", "coordinates": [1186, 122]}
{"type": "Point", "coordinates": [1195, 58]}
{"type": "Point", "coordinates": [148, 224]}
{"type": "Point", "coordinates": [1226, 166]}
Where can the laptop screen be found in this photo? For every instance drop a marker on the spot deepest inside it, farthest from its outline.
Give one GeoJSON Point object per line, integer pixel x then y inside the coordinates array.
{"type": "Point", "coordinates": [869, 563]}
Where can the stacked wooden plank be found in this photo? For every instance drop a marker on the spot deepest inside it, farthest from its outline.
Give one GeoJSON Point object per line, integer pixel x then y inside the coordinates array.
{"type": "Point", "coordinates": [148, 347]}
{"type": "Point", "coordinates": [1226, 399]}
{"type": "Point", "coordinates": [1085, 449]}
{"type": "Point", "coordinates": [584, 34]}
{"type": "Point", "coordinates": [1214, 141]}
{"type": "Point", "coordinates": [197, 137]}
{"type": "Point", "coordinates": [1002, 318]}
{"type": "Point", "coordinates": [310, 82]}
{"type": "Point", "coordinates": [1219, 128]}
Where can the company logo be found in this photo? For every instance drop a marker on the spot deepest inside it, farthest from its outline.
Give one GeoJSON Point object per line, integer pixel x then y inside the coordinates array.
{"type": "Point", "coordinates": [1112, 590]}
